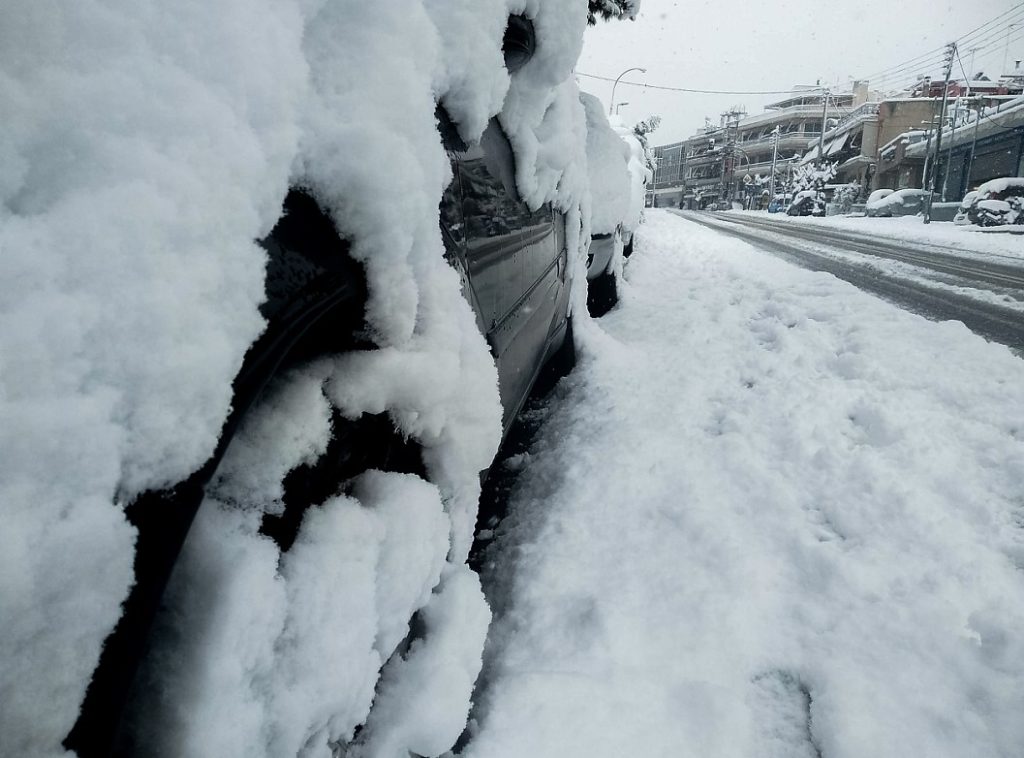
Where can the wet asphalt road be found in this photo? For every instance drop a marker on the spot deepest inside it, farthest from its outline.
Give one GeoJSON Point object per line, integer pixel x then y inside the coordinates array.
{"type": "Point", "coordinates": [937, 281]}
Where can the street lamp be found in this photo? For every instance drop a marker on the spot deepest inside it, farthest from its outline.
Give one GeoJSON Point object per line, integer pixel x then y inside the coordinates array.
{"type": "Point", "coordinates": [611, 105]}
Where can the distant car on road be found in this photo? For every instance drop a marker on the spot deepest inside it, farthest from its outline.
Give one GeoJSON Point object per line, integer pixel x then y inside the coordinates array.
{"type": "Point", "coordinates": [904, 202]}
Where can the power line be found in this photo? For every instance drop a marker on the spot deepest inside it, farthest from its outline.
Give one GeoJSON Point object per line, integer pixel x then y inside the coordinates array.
{"type": "Point", "coordinates": [703, 91]}
{"type": "Point", "coordinates": [980, 37]}
{"type": "Point", "coordinates": [972, 37]}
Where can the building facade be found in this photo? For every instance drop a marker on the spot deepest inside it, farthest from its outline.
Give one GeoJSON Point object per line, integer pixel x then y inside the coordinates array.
{"type": "Point", "coordinates": [878, 142]}
{"type": "Point", "coordinates": [988, 146]}
{"type": "Point", "coordinates": [732, 161]}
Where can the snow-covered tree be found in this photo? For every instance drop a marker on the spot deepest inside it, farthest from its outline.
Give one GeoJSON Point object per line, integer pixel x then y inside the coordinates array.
{"type": "Point", "coordinates": [812, 176]}
{"type": "Point", "coordinates": [641, 129]}
{"type": "Point", "coordinates": [846, 195]}
{"type": "Point", "coordinates": [609, 9]}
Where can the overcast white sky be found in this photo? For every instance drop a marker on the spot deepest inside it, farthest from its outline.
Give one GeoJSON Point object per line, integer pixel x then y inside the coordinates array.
{"type": "Point", "coordinates": [760, 46]}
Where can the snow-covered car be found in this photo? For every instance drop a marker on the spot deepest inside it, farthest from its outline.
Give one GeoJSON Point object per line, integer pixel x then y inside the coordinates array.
{"type": "Point", "coordinates": [614, 206]}
{"type": "Point", "coordinates": [515, 270]}
{"type": "Point", "coordinates": [999, 202]}
{"type": "Point", "coordinates": [877, 195]}
{"type": "Point", "coordinates": [961, 218]}
{"type": "Point", "coordinates": [806, 203]}
{"type": "Point", "coordinates": [904, 202]}
{"type": "Point", "coordinates": [639, 175]}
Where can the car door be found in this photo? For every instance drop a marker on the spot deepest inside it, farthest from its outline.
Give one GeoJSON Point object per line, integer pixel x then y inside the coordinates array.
{"type": "Point", "coordinates": [516, 265]}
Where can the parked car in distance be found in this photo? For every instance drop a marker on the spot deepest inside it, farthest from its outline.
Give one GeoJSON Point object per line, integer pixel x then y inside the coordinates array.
{"type": "Point", "coordinates": [961, 218]}
{"type": "Point", "coordinates": [878, 194]}
{"type": "Point", "coordinates": [999, 202]}
{"type": "Point", "coordinates": [616, 194]}
{"type": "Point", "coordinates": [904, 202]}
{"type": "Point", "coordinates": [806, 203]}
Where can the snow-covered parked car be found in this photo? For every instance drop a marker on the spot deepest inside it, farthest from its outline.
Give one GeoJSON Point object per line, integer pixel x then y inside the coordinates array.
{"type": "Point", "coordinates": [999, 202]}
{"type": "Point", "coordinates": [264, 328]}
{"type": "Point", "coordinates": [806, 203]}
{"type": "Point", "coordinates": [877, 195]}
{"type": "Point", "coordinates": [639, 176]}
{"type": "Point", "coordinates": [961, 217]}
{"type": "Point", "coordinates": [612, 206]}
{"type": "Point", "coordinates": [904, 202]}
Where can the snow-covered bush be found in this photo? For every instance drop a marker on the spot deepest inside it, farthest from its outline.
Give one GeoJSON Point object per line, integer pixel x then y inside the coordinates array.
{"type": "Point", "coordinates": [846, 195]}
{"type": "Point", "coordinates": [145, 147]}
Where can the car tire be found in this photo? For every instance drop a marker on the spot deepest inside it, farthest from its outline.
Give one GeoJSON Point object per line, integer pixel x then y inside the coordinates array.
{"type": "Point", "coordinates": [602, 294]}
{"type": "Point", "coordinates": [316, 310]}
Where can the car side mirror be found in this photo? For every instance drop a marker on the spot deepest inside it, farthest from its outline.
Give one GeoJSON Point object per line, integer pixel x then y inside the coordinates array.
{"type": "Point", "coordinates": [519, 44]}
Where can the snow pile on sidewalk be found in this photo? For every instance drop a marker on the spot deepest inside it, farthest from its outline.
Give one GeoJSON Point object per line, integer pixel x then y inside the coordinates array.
{"type": "Point", "coordinates": [772, 515]}
{"type": "Point", "coordinates": [144, 149]}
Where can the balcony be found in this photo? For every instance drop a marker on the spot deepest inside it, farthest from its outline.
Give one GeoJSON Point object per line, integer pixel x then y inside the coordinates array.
{"type": "Point", "coordinates": [865, 112]}
{"type": "Point", "coordinates": [787, 141]}
{"type": "Point", "coordinates": [782, 114]}
{"type": "Point", "coordinates": [703, 159]}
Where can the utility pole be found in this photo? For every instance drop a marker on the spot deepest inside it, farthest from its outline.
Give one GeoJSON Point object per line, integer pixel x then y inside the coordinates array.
{"type": "Point", "coordinates": [974, 143]}
{"type": "Point", "coordinates": [926, 84]}
{"type": "Point", "coordinates": [970, 66]}
{"type": "Point", "coordinates": [1006, 47]}
{"type": "Point", "coordinates": [775, 157]}
{"type": "Point", "coordinates": [824, 115]}
{"type": "Point", "coordinates": [950, 52]}
{"type": "Point", "coordinates": [949, 152]}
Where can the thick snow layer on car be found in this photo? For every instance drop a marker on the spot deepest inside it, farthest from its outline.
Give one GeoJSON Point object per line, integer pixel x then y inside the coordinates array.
{"type": "Point", "coordinates": [607, 167]}
{"type": "Point", "coordinates": [791, 528]}
{"type": "Point", "coordinates": [1000, 185]}
{"type": "Point", "coordinates": [145, 147]}
{"type": "Point", "coordinates": [968, 199]}
{"type": "Point", "coordinates": [639, 173]}
{"type": "Point", "coordinates": [895, 198]}
{"type": "Point", "coordinates": [877, 195]}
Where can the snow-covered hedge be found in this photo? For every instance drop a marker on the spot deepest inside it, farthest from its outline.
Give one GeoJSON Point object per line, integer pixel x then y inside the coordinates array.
{"type": "Point", "coordinates": [145, 146]}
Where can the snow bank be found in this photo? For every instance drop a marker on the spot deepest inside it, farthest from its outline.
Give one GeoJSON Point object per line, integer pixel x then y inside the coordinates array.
{"type": "Point", "coordinates": [968, 241]}
{"type": "Point", "coordinates": [770, 515]}
{"type": "Point", "coordinates": [144, 149]}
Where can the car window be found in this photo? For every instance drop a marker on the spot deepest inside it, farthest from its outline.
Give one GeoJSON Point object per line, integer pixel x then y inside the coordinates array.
{"type": "Point", "coordinates": [451, 213]}
{"type": "Point", "coordinates": [490, 200]}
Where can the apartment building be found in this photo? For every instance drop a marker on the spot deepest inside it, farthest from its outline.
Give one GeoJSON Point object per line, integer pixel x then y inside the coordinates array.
{"type": "Point", "coordinates": [710, 167]}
